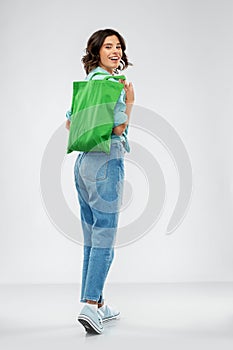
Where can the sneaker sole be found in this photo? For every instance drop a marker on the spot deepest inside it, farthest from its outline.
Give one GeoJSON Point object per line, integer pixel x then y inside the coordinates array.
{"type": "Point", "coordinates": [115, 317]}
{"type": "Point", "coordinates": [89, 325]}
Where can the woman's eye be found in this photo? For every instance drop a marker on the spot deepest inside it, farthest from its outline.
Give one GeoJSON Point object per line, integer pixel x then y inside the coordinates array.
{"type": "Point", "coordinates": [109, 47]}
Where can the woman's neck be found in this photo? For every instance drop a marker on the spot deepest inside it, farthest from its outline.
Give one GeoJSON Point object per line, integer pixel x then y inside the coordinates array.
{"type": "Point", "coordinates": [109, 70]}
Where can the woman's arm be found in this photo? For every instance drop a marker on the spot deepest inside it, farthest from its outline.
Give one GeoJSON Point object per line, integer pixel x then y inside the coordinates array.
{"type": "Point", "coordinates": [118, 130]}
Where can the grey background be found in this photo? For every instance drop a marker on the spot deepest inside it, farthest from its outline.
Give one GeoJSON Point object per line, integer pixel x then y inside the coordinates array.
{"type": "Point", "coordinates": [182, 53]}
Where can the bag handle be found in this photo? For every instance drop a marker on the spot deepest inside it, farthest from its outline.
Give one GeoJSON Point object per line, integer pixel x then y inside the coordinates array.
{"type": "Point", "coordinates": [118, 77]}
{"type": "Point", "coordinates": [108, 76]}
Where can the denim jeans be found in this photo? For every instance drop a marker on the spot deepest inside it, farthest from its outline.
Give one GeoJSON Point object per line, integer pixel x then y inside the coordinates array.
{"type": "Point", "coordinates": [99, 181]}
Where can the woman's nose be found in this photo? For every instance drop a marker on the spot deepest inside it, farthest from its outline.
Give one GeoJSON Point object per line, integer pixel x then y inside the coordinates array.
{"type": "Point", "coordinates": [116, 51]}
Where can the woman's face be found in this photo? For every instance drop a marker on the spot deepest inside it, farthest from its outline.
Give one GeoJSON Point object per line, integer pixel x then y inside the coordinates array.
{"type": "Point", "coordinates": [110, 53]}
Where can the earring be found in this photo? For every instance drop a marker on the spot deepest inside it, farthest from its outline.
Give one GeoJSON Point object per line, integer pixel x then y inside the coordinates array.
{"type": "Point", "coordinates": [120, 68]}
{"type": "Point", "coordinates": [122, 64]}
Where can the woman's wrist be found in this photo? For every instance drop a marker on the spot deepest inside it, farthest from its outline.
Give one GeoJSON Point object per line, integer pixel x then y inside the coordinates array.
{"type": "Point", "coordinates": [130, 102]}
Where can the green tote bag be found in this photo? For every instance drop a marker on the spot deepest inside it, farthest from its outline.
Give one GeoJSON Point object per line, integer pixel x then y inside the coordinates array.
{"type": "Point", "coordinates": [92, 114]}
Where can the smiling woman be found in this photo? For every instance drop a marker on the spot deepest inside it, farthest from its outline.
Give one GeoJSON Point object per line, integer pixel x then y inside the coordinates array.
{"type": "Point", "coordinates": [99, 179]}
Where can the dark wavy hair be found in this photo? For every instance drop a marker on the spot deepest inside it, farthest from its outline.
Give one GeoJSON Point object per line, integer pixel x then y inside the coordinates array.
{"type": "Point", "coordinates": [91, 59]}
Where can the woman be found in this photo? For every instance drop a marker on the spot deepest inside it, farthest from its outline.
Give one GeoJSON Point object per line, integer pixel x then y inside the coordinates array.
{"type": "Point", "coordinates": [99, 181]}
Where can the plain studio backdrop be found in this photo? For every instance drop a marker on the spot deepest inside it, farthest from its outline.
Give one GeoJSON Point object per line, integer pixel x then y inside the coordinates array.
{"type": "Point", "coordinates": [182, 53]}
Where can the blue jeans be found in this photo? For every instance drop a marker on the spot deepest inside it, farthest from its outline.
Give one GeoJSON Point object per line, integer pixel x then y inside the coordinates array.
{"type": "Point", "coordinates": [99, 181]}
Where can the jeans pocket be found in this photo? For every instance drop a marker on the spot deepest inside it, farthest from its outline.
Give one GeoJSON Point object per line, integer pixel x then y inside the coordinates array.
{"type": "Point", "coordinates": [94, 166]}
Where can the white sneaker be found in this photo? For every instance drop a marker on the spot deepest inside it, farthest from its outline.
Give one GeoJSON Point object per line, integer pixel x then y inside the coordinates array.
{"type": "Point", "coordinates": [91, 320]}
{"type": "Point", "coordinates": [107, 313]}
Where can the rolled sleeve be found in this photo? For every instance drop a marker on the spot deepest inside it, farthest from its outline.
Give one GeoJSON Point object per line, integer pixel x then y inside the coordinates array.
{"type": "Point", "coordinates": [120, 117]}
{"type": "Point", "coordinates": [68, 115]}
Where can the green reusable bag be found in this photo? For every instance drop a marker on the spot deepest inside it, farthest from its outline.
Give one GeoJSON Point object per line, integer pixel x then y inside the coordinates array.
{"type": "Point", "coordinates": [92, 114]}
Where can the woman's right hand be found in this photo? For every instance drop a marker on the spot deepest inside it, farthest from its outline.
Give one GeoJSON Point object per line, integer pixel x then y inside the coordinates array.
{"type": "Point", "coordinates": [129, 90]}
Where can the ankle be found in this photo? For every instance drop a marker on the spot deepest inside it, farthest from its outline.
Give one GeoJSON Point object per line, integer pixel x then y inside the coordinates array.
{"type": "Point", "coordinates": [92, 302]}
{"type": "Point", "coordinates": [92, 306]}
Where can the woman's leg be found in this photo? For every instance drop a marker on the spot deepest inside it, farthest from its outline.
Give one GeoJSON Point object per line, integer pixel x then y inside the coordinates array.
{"type": "Point", "coordinates": [90, 256]}
{"type": "Point", "coordinates": [99, 263]}
{"type": "Point", "coordinates": [86, 221]}
{"type": "Point", "coordinates": [86, 255]}
{"type": "Point", "coordinates": [105, 197]}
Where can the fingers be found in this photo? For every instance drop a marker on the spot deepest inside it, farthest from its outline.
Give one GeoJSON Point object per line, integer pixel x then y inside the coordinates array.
{"type": "Point", "coordinates": [128, 85]}
{"type": "Point", "coordinates": [129, 92]}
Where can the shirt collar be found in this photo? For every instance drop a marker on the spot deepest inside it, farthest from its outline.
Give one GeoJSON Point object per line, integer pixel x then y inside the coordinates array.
{"type": "Point", "coordinates": [97, 70]}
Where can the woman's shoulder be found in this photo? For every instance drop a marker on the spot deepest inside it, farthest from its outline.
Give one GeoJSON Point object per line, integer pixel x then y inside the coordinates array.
{"type": "Point", "coordinates": [101, 74]}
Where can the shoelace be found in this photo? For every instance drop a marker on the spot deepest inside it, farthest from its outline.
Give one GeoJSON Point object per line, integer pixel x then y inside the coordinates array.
{"type": "Point", "coordinates": [100, 319]}
{"type": "Point", "coordinates": [101, 313]}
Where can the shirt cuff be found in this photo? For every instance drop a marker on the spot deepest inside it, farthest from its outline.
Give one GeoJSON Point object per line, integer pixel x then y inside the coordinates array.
{"type": "Point", "coordinates": [68, 115]}
{"type": "Point", "coordinates": [120, 118]}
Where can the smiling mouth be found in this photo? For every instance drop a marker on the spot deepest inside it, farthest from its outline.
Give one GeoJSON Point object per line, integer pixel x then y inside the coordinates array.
{"type": "Point", "coordinates": [114, 58]}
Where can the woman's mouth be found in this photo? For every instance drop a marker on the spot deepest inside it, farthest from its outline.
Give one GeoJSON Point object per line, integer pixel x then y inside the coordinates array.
{"type": "Point", "coordinates": [114, 58]}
